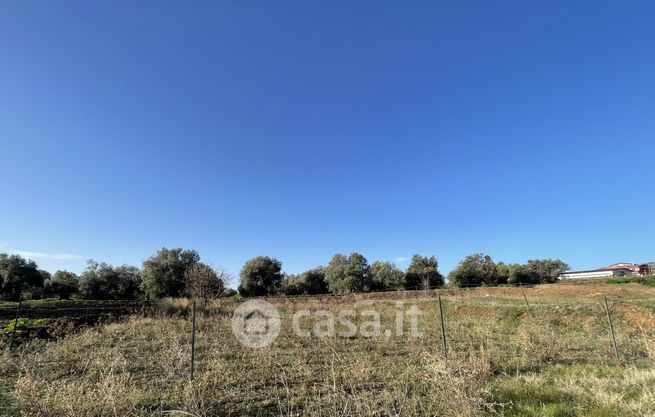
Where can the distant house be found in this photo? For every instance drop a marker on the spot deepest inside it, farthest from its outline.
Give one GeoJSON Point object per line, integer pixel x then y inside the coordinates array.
{"type": "Point", "coordinates": [597, 273]}
{"type": "Point", "coordinates": [647, 269]}
{"type": "Point", "coordinates": [621, 269]}
{"type": "Point", "coordinates": [624, 265]}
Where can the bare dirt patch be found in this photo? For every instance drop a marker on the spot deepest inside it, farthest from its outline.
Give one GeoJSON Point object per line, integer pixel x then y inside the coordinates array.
{"type": "Point", "coordinates": [637, 315]}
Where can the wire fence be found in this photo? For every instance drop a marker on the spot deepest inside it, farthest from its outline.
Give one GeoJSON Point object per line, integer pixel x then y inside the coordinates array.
{"type": "Point", "coordinates": [510, 319]}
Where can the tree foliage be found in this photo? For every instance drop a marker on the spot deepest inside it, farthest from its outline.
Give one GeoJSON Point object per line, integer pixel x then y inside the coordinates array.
{"type": "Point", "coordinates": [18, 274]}
{"type": "Point", "coordinates": [347, 274]}
{"type": "Point", "coordinates": [307, 283]}
{"type": "Point", "coordinates": [163, 273]}
{"type": "Point", "coordinates": [261, 275]}
{"type": "Point", "coordinates": [386, 276]}
{"type": "Point", "coordinates": [538, 271]}
{"type": "Point", "coordinates": [423, 272]}
{"type": "Point", "coordinates": [547, 270]}
{"type": "Point", "coordinates": [479, 269]}
{"type": "Point", "coordinates": [292, 284]}
{"type": "Point", "coordinates": [101, 281]}
{"type": "Point", "coordinates": [505, 271]}
{"type": "Point", "coordinates": [474, 270]}
{"type": "Point", "coordinates": [62, 284]}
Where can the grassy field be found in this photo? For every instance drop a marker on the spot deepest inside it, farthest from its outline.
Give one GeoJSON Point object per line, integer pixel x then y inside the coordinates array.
{"type": "Point", "coordinates": [503, 360]}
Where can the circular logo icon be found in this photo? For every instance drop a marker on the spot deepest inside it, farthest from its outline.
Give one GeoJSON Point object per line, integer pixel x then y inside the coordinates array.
{"type": "Point", "coordinates": [256, 323]}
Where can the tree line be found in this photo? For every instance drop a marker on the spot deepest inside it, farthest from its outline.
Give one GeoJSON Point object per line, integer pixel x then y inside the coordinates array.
{"type": "Point", "coordinates": [181, 273]}
{"type": "Point", "coordinates": [343, 274]}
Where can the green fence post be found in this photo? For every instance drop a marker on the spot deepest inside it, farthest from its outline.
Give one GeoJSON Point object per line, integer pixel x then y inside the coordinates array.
{"type": "Point", "coordinates": [526, 299]}
{"type": "Point", "coordinates": [193, 339]}
{"type": "Point", "coordinates": [13, 332]}
{"type": "Point", "coordinates": [443, 329]}
{"type": "Point", "coordinates": [88, 306]}
{"type": "Point", "coordinates": [609, 321]}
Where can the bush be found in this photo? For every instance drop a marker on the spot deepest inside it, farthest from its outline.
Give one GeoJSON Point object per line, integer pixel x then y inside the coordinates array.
{"type": "Point", "coordinates": [648, 280]}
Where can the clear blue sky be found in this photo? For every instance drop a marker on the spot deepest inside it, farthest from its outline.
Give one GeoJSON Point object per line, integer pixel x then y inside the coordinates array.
{"type": "Point", "coordinates": [301, 129]}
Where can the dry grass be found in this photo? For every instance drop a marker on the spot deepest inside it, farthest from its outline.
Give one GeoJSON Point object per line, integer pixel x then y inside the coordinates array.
{"type": "Point", "coordinates": [502, 361]}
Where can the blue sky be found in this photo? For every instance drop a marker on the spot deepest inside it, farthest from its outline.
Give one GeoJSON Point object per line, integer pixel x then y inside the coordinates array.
{"type": "Point", "coordinates": [301, 129]}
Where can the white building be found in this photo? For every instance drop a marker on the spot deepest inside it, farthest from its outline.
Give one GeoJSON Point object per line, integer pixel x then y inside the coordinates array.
{"type": "Point", "coordinates": [596, 273]}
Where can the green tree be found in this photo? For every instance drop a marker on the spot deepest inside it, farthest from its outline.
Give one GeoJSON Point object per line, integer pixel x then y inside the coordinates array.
{"type": "Point", "coordinates": [505, 271]}
{"type": "Point", "coordinates": [45, 275]}
{"type": "Point", "coordinates": [163, 273]}
{"type": "Point", "coordinates": [293, 284]}
{"type": "Point", "coordinates": [17, 275]}
{"type": "Point", "coordinates": [62, 284]}
{"type": "Point", "coordinates": [546, 271]}
{"type": "Point", "coordinates": [308, 282]}
{"type": "Point", "coordinates": [537, 271]}
{"type": "Point", "coordinates": [521, 274]}
{"type": "Point", "coordinates": [476, 269]}
{"type": "Point", "coordinates": [101, 281]}
{"type": "Point", "coordinates": [129, 281]}
{"type": "Point", "coordinates": [261, 275]}
{"type": "Point", "coordinates": [386, 276]}
{"type": "Point", "coordinates": [423, 272]}
{"type": "Point", "coordinates": [347, 274]}
{"type": "Point", "coordinates": [314, 281]}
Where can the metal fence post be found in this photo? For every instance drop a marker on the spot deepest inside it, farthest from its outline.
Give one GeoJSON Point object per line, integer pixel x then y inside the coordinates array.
{"type": "Point", "coordinates": [13, 332]}
{"type": "Point", "coordinates": [88, 305]}
{"type": "Point", "coordinates": [443, 329]}
{"type": "Point", "coordinates": [609, 321]}
{"type": "Point", "coordinates": [193, 339]}
{"type": "Point", "coordinates": [526, 299]}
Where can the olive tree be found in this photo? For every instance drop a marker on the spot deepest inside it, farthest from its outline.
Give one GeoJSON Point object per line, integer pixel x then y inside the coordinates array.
{"type": "Point", "coordinates": [18, 274]}
{"type": "Point", "coordinates": [423, 273]}
{"type": "Point", "coordinates": [546, 271]}
{"type": "Point", "coordinates": [259, 276]}
{"type": "Point", "coordinates": [386, 276]}
{"type": "Point", "coordinates": [308, 282]}
{"type": "Point", "coordinates": [62, 284]}
{"type": "Point", "coordinates": [348, 274]}
{"type": "Point", "coordinates": [163, 273]}
{"type": "Point", "coordinates": [101, 281]}
{"type": "Point", "coordinates": [476, 269]}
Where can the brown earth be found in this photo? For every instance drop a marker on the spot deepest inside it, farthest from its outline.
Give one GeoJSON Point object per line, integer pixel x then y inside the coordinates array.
{"type": "Point", "coordinates": [637, 315]}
